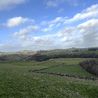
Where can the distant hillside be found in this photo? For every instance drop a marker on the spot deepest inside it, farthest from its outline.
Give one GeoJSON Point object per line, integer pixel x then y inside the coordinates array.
{"type": "Point", "coordinates": [73, 52]}
{"type": "Point", "coordinates": [50, 54]}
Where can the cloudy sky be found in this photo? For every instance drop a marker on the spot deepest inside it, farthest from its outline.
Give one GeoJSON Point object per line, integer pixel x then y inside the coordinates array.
{"type": "Point", "coordinates": [48, 24]}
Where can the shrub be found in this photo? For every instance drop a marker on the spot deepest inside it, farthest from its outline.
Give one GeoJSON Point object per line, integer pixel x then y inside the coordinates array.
{"type": "Point", "coordinates": [90, 66]}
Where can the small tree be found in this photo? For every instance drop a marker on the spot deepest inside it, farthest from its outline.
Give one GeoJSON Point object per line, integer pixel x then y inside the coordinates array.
{"type": "Point", "coordinates": [90, 66]}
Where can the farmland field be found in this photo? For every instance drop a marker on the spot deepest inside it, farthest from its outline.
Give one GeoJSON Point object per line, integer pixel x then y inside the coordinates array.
{"type": "Point", "coordinates": [18, 80]}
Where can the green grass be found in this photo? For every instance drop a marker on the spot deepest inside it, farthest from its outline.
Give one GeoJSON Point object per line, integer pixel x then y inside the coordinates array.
{"type": "Point", "coordinates": [68, 66]}
{"type": "Point", "coordinates": [17, 82]}
{"type": "Point", "coordinates": [69, 69]}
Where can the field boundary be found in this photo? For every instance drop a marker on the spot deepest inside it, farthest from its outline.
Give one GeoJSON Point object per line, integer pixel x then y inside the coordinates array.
{"type": "Point", "coordinates": [40, 71]}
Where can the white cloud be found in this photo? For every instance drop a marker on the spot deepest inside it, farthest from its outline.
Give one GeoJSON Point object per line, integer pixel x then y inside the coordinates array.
{"type": "Point", "coordinates": [61, 10]}
{"type": "Point", "coordinates": [90, 12]}
{"type": "Point", "coordinates": [73, 2]}
{"type": "Point", "coordinates": [57, 19]}
{"type": "Point", "coordinates": [61, 32]}
{"type": "Point", "coordinates": [16, 21]}
{"type": "Point", "coordinates": [51, 3]}
{"type": "Point", "coordinates": [56, 3]}
{"type": "Point", "coordinates": [23, 33]}
{"type": "Point", "coordinates": [89, 24]}
{"type": "Point", "coordinates": [90, 32]}
{"type": "Point", "coordinates": [51, 25]}
{"type": "Point", "coordinates": [86, 14]}
{"type": "Point", "coordinates": [84, 34]}
{"type": "Point", "coordinates": [10, 47]}
{"type": "Point", "coordinates": [6, 4]}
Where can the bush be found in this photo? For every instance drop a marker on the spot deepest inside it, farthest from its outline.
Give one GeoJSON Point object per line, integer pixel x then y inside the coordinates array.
{"type": "Point", "coordinates": [90, 66]}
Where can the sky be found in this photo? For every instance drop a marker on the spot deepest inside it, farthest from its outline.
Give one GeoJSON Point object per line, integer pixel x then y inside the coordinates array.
{"type": "Point", "coordinates": [48, 24]}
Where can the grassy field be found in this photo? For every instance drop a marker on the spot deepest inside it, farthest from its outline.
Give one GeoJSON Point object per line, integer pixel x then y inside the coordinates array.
{"type": "Point", "coordinates": [68, 66]}
{"type": "Point", "coordinates": [18, 81]}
